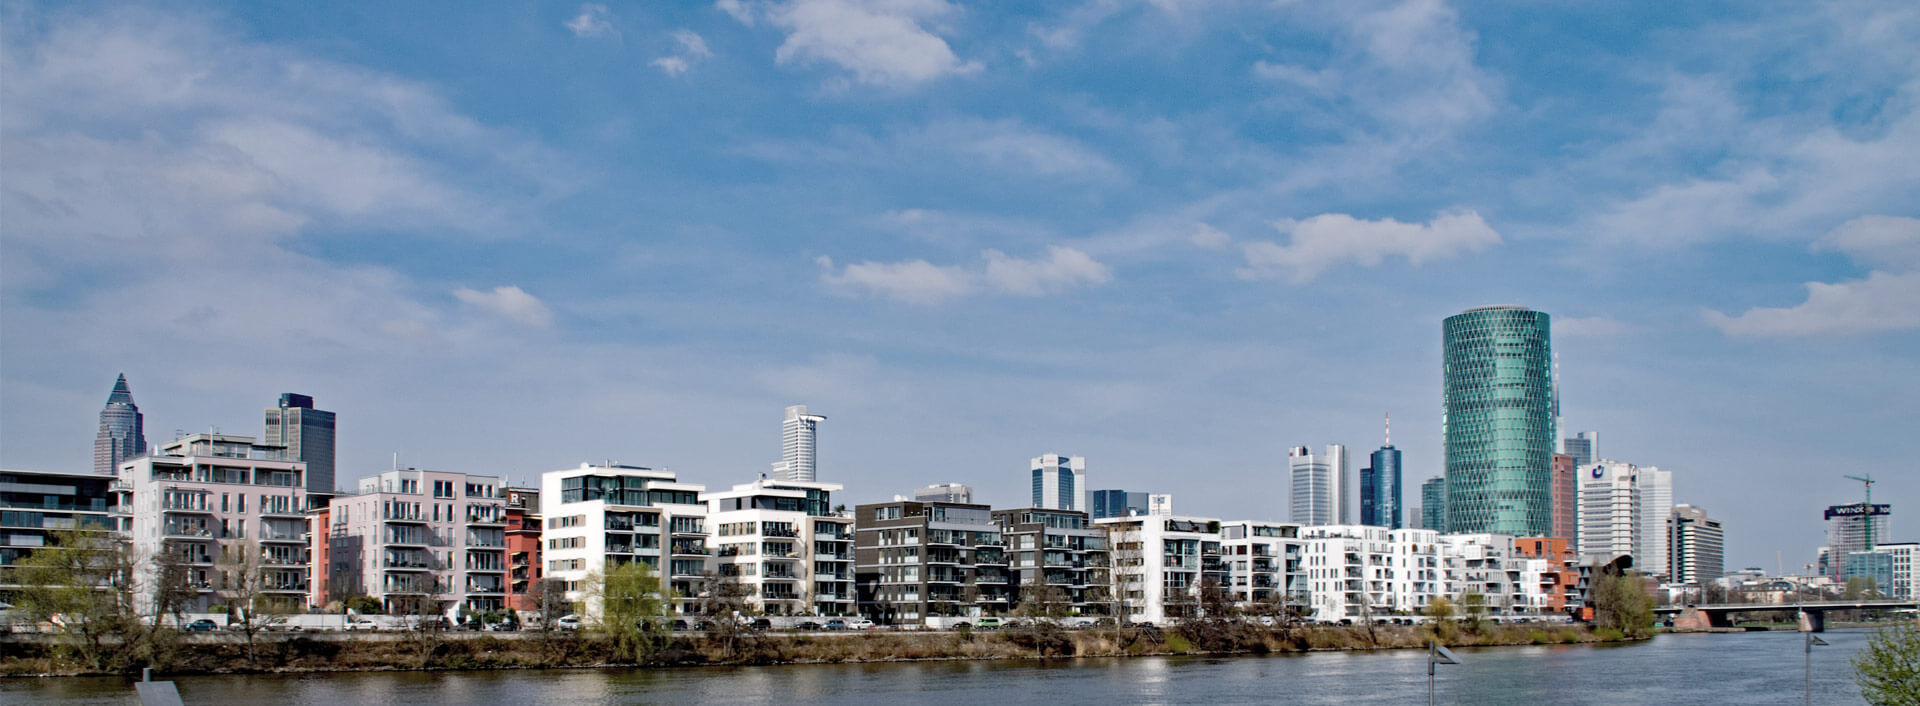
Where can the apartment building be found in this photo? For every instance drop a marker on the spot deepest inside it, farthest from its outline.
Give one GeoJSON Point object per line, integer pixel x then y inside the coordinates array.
{"type": "Point", "coordinates": [1160, 564]}
{"type": "Point", "coordinates": [921, 563]}
{"type": "Point", "coordinates": [781, 540]}
{"type": "Point", "coordinates": [34, 505]}
{"type": "Point", "coordinates": [1487, 565]}
{"type": "Point", "coordinates": [1550, 573]}
{"type": "Point", "coordinates": [212, 501]}
{"type": "Point", "coordinates": [1263, 562]}
{"type": "Point", "coordinates": [523, 547]}
{"type": "Point", "coordinates": [600, 517]}
{"type": "Point", "coordinates": [1060, 549]}
{"type": "Point", "coordinates": [422, 542]}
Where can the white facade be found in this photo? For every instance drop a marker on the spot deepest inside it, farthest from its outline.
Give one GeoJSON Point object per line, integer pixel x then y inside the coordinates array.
{"type": "Point", "coordinates": [1354, 571]}
{"type": "Point", "coordinates": [1264, 561]}
{"type": "Point", "coordinates": [1321, 489]}
{"type": "Point", "coordinates": [1486, 564]}
{"type": "Point", "coordinates": [781, 540]}
{"type": "Point", "coordinates": [1159, 504]}
{"type": "Point", "coordinates": [1655, 556]}
{"type": "Point", "coordinates": [598, 517]}
{"type": "Point", "coordinates": [943, 493]}
{"type": "Point", "coordinates": [421, 542]}
{"type": "Point", "coordinates": [1159, 564]}
{"type": "Point", "coordinates": [1060, 483]}
{"type": "Point", "coordinates": [798, 436]}
{"type": "Point", "coordinates": [211, 499]}
{"type": "Point", "coordinates": [1621, 508]}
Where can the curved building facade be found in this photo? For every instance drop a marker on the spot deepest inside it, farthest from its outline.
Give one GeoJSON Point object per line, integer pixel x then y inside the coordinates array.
{"type": "Point", "coordinates": [1499, 421]}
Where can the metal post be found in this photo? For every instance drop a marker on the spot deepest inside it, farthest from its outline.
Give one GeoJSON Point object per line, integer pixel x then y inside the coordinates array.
{"type": "Point", "coordinates": [1429, 673]}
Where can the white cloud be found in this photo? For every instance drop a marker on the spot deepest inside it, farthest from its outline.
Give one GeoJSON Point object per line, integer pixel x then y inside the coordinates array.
{"type": "Point", "coordinates": [912, 281]}
{"type": "Point", "coordinates": [1209, 237]}
{"type": "Point", "coordinates": [1063, 268]}
{"type": "Point", "coordinates": [593, 21]}
{"type": "Point", "coordinates": [883, 42]}
{"type": "Point", "coordinates": [1011, 146]}
{"type": "Point", "coordinates": [1887, 300]}
{"type": "Point", "coordinates": [739, 10]}
{"type": "Point", "coordinates": [921, 282]}
{"type": "Point", "coordinates": [692, 49]}
{"type": "Point", "coordinates": [1334, 238]}
{"type": "Point", "coordinates": [510, 302]}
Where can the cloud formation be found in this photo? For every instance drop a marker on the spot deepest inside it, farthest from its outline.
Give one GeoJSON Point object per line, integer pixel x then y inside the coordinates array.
{"type": "Point", "coordinates": [921, 282]}
{"type": "Point", "coordinates": [1888, 299]}
{"type": "Point", "coordinates": [508, 301]}
{"type": "Point", "coordinates": [1331, 239]}
{"type": "Point", "coordinates": [887, 43]}
{"type": "Point", "coordinates": [692, 49]}
{"type": "Point", "coordinates": [593, 20]}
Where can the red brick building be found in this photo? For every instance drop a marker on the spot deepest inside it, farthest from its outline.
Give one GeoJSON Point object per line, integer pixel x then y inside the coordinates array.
{"type": "Point", "coordinates": [1560, 582]}
{"type": "Point", "coordinates": [523, 546]}
{"type": "Point", "coordinates": [1562, 497]}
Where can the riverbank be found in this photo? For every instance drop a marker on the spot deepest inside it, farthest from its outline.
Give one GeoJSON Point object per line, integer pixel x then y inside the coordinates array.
{"type": "Point", "coordinates": [468, 651]}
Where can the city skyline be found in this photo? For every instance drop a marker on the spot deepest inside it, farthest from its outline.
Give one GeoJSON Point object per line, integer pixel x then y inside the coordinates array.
{"type": "Point", "coordinates": [1174, 239]}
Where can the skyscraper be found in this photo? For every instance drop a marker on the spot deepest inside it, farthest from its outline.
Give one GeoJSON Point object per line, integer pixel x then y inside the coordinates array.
{"type": "Point", "coordinates": [1582, 447]}
{"type": "Point", "coordinates": [1321, 491]}
{"type": "Point", "coordinates": [1656, 505]}
{"type": "Point", "coordinates": [1609, 511]}
{"type": "Point", "coordinates": [1433, 504]}
{"type": "Point", "coordinates": [1696, 544]}
{"type": "Point", "coordinates": [307, 434]}
{"type": "Point", "coordinates": [1380, 487]}
{"type": "Point", "coordinates": [797, 438]}
{"type": "Point", "coordinates": [122, 433]}
{"type": "Point", "coordinates": [1564, 481]}
{"type": "Point", "coordinates": [1060, 482]}
{"type": "Point", "coordinates": [1847, 530]}
{"type": "Point", "coordinates": [1498, 420]}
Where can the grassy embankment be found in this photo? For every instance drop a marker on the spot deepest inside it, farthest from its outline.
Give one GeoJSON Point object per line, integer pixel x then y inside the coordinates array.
{"type": "Point", "coordinates": [468, 651]}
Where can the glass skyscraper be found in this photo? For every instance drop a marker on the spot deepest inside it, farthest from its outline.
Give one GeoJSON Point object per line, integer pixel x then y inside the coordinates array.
{"type": "Point", "coordinates": [1380, 489]}
{"type": "Point", "coordinates": [307, 434]}
{"type": "Point", "coordinates": [1433, 504]}
{"type": "Point", "coordinates": [1499, 421]}
{"type": "Point", "coordinates": [122, 434]}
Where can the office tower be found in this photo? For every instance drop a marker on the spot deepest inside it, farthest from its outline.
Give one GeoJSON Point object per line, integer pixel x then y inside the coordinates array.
{"type": "Point", "coordinates": [1060, 482]}
{"type": "Point", "coordinates": [1584, 447]}
{"type": "Point", "coordinates": [1563, 484]}
{"type": "Point", "coordinates": [122, 434]}
{"type": "Point", "coordinates": [1498, 423]}
{"type": "Point", "coordinates": [1655, 487]}
{"type": "Point", "coordinates": [944, 493]}
{"type": "Point", "coordinates": [307, 434]}
{"type": "Point", "coordinates": [1847, 530]}
{"type": "Point", "coordinates": [1697, 545]}
{"type": "Point", "coordinates": [1118, 503]}
{"type": "Point", "coordinates": [1433, 504]}
{"type": "Point", "coordinates": [798, 435]}
{"type": "Point", "coordinates": [1380, 487]}
{"type": "Point", "coordinates": [1322, 493]}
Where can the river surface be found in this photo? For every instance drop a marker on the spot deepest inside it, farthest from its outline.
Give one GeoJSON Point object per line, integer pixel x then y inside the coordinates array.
{"type": "Point", "coordinates": [1744, 668]}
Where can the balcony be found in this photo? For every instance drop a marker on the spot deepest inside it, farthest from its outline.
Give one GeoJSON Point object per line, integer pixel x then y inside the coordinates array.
{"type": "Point", "coordinates": [187, 533]}
{"type": "Point", "coordinates": [174, 509]}
{"type": "Point", "coordinates": [406, 520]}
{"type": "Point", "coordinates": [486, 521]}
{"type": "Point", "coordinates": [283, 513]}
{"type": "Point", "coordinates": [281, 537]}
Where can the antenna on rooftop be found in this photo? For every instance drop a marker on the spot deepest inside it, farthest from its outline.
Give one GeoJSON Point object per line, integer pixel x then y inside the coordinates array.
{"type": "Point", "coordinates": [1389, 428]}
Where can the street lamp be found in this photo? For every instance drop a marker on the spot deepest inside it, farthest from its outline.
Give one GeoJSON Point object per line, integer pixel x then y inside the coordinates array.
{"type": "Point", "coordinates": [1439, 655]}
{"type": "Point", "coordinates": [1812, 641]}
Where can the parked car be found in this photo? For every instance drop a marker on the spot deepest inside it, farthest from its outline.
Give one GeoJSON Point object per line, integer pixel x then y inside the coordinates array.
{"type": "Point", "coordinates": [860, 624]}
{"type": "Point", "coordinates": [501, 627]}
{"type": "Point", "coordinates": [808, 625]}
{"type": "Point", "coordinates": [362, 624]}
{"type": "Point", "coordinates": [988, 623]}
{"type": "Point", "coordinates": [201, 625]}
{"type": "Point", "coordinates": [762, 624]}
{"type": "Point", "coordinates": [568, 622]}
{"type": "Point", "coordinates": [681, 625]}
{"type": "Point", "coordinates": [835, 624]}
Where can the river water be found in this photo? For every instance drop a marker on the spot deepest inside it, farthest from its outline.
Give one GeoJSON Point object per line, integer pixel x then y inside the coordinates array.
{"type": "Point", "coordinates": [1745, 668]}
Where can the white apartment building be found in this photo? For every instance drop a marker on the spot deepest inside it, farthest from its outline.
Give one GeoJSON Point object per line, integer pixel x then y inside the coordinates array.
{"type": "Point", "coordinates": [1264, 561]}
{"type": "Point", "coordinates": [1160, 562]}
{"type": "Point", "coordinates": [1356, 571]}
{"type": "Point", "coordinates": [421, 542]}
{"type": "Point", "coordinates": [1486, 564]}
{"type": "Point", "coordinates": [211, 499]}
{"type": "Point", "coordinates": [598, 517]}
{"type": "Point", "coordinates": [1060, 483]}
{"type": "Point", "coordinates": [782, 540]}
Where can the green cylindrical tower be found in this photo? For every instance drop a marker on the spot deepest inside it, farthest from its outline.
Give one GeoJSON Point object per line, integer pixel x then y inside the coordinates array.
{"type": "Point", "coordinates": [1499, 421]}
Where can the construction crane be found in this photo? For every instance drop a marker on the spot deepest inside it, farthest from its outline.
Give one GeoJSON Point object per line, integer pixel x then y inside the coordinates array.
{"type": "Point", "coordinates": [1867, 506]}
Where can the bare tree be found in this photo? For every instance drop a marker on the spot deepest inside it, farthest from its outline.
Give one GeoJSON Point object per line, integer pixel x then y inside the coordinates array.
{"type": "Point", "coordinates": [725, 607]}
{"type": "Point", "coordinates": [246, 577]}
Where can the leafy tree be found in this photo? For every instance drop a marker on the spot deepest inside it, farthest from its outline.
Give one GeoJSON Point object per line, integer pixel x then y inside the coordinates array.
{"type": "Point", "coordinates": [1474, 604]}
{"type": "Point", "coordinates": [1888, 669]}
{"type": "Point", "coordinates": [363, 605]}
{"type": "Point", "coordinates": [633, 610]}
{"type": "Point", "coordinates": [1861, 587]}
{"type": "Point", "coordinates": [1620, 602]}
{"type": "Point", "coordinates": [82, 583]}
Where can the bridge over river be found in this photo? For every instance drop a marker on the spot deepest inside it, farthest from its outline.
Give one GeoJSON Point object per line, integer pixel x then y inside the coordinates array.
{"type": "Point", "coordinates": [1813, 614]}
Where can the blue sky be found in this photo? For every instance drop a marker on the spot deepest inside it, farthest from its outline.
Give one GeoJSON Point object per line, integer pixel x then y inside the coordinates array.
{"type": "Point", "coordinates": [1173, 237]}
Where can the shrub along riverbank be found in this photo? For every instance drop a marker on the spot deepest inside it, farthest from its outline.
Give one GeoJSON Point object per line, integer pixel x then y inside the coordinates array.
{"type": "Point", "coordinates": [36, 655]}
